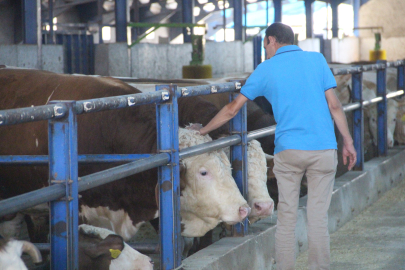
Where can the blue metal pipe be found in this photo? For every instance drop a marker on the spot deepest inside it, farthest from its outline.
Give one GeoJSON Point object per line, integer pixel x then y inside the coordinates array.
{"type": "Point", "coordinates": [382, 111]}
{"type": "Point", "coordinates": [169, 182]}
{"type": "Point", "coordinates": [308, 17]}
{"type": "Point", "coordinates": [239, 161]}
{"type": "Point", "coordinates": [63, 168]}
{"type": "Point", "coordinates": [358, 124]}
{"type": "Point", "coordinates": [335, 26]}
{"type": "Point", "coordinates": [121, 20]}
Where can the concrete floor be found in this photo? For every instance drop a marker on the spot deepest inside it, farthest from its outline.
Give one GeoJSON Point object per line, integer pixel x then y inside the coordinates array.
{"type": "Point", "coordinates": [375, 239]}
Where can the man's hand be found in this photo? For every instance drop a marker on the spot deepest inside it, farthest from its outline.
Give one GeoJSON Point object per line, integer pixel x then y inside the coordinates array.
{"type": "Point", "coordinates": [195, 127]}
{"type": "Point", "coordinates": [349, 153]}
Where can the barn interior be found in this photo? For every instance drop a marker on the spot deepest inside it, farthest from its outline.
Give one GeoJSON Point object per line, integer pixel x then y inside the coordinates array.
{"type": "Point", "coordinates": [202, 42]}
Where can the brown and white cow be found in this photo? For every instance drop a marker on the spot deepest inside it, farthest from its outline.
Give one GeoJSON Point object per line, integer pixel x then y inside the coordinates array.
{"type": "Point", "coordinates": [100, 248]}
{"type": "Point", "coordinates": [130, 201]}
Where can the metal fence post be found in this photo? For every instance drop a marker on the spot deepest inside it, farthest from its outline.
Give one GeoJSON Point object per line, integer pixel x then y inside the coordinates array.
{"type": "Point", "coordinates": [238, 125]}
{"type": "Point", "coordinates": [358, 124]}
{"type": "Point", "coordinates": [64, 214]}
{"type": "Point", "coordinates": [400, 76]}
{"type": "Point", "coordinates": [382, 110]}
{"type": "Point", "coordinates": [169, 179]}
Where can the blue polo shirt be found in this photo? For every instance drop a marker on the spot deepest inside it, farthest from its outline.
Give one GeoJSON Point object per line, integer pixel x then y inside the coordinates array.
{"type": "Point", "coordinates": [294, 82]}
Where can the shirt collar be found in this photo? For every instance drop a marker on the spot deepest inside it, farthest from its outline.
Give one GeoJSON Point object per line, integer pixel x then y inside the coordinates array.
{"type": "Point", "coordinates": [288, 48]}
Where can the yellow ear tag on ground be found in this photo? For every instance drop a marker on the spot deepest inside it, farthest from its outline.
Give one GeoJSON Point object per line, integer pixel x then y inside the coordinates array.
{"type": "Point", "coordinates": [403, 118]}
{"type": "Point", "coordinates": [115, 253]}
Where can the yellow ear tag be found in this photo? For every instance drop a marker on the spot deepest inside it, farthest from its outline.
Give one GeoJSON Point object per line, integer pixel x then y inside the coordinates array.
{"type": "Point", "coordinates": [115, 253]}
{"type": "Point", "coordinates": [403, 118]}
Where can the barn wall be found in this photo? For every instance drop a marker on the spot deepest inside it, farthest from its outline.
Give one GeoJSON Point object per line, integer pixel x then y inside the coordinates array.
{"type": "Point", "coordinates": [345, 50]}
{"type": "Point", "coordinates": [165, 61]}
{"type": "Point", "coordinates": [25, 56]}
{"type": "Point", "coordinates": [112, 59]}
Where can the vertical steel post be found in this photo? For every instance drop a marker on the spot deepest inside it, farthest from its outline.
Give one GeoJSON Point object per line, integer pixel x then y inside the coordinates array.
{"type": "Point", "coordinates": [308, 17]}
{"type": "Point", "coordinates": [30, 22]}
{"type": "Point", "coordinates": [238, 125]}
{"type": "Point", "coordinates": [169, 180]}
{"type": "Point", "coordinates": [50, 18]}
{"type": "Point", "coordinates": [278, 10]}
{"type": "Point", "coordinates": [257, 50]}
{"type": "Point", "coordinates": [237, 19]}
{"type": "Point", "coordinates": [356, 9]}
{"type": "Point", "coordinates": [358, 124]}
{"type": "Point", "coordinates": [335, 27]}
{"type": "Point", "coordinates": [382, 110]}
{"type": "Point", "coordinates": [64, 214]}
{"type": "Point", "coordinates": [121, 20]}
{"type": "Point", "coordinates": [188, 17]}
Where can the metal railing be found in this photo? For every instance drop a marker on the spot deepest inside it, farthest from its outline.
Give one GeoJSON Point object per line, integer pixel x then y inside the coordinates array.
{"type": "Point", "coordinates": [63, 158]}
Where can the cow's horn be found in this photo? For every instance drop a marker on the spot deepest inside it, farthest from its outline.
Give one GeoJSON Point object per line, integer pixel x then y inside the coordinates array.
{"type": "Point", "coordinates": [33, 251]}
{"type": "Point", "coordinates": [269, 157]}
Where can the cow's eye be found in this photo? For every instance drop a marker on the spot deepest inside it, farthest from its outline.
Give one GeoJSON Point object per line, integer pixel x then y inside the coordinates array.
{"type": "Point", "coordinates": [203, 173]}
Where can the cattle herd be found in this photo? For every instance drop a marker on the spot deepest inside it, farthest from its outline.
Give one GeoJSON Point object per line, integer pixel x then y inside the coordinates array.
{"type": "Point", "coordinates": [113, 213]}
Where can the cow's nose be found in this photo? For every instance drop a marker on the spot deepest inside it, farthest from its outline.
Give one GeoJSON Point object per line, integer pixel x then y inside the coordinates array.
{"type": "Point", "coordinates": [264, 208]}
{"type": "Point", "coordinates": [244, 211]}
{"type": "Point", "coordinates": [390, 143]}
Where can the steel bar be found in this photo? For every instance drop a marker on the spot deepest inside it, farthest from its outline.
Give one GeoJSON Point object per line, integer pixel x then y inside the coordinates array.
{"type": "Point", "coordinates": [107, 176]}
{"type": "Point", "coordinates": [351, 106]}
{"type": "Point", "coordinates": [27, 200]}
{"type": "Point", "coordinates": [31, 114]}
{"type": "Point", "coordinates": [145, 248]}
{"type": "Point", "coordinates": [209, 146]}
{"type": "Point", "coordinates": [263, 132]}
{"type": "Point", "coordinates": [190, 91]}
{"type": "Point", "coordinates": [110, 103]}
{"type": "Point", "coordinates": [237, 19]}
{"type": "Point", "coordinates": [167, 126]}
{"type": "Point", "coordinates": [44, 160]}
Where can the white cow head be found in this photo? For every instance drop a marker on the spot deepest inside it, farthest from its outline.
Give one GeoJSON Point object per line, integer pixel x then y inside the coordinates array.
{"type": "Point", "coordinates": [11, 251]}
{"type": "Point", "coordinates": [258, 195]}
{"type": "Point", "coordinates": [127, 259]}
{"type": "Point", "coordinates": [371, 113]}
{"type": "Point", "coordinates": [209, 193]}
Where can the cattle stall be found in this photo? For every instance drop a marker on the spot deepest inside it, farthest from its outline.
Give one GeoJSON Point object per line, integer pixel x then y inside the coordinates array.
{"type": "Point", "coordinates": [63, 158]}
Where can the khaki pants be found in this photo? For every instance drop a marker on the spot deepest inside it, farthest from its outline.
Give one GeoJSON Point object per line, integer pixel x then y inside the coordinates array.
{"type": "Point", "coordinates": [320, 169]}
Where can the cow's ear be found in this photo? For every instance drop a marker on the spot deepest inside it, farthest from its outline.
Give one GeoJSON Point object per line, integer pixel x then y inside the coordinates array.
{"type": "Point", "coordinates": [183, 171]}
{"type": "Point", "coordinates": [112, 245]}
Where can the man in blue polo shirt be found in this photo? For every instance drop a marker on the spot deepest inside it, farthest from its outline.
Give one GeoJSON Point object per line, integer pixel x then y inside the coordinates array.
{"type": "Point", "coordinates": [299, 85]}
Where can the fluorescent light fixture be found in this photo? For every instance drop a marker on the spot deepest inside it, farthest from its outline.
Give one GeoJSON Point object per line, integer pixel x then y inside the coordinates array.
{"type": "Point", "coordinates": [144, 2]}
{"type": "Point", "coordinates": [196, 11]}
{"type": "Point", "coordinates": [251, 1]}
{"type": "Point", "coordinates": [155, 8]}
{"type": "Point", "coordinates": [209, 7]}
{"type": "Point", "coordinates": [221, 4]}
{"type": "Point", "coordinates": [202, 2]}
{"type": "Point", "coordinates": [171, 4]}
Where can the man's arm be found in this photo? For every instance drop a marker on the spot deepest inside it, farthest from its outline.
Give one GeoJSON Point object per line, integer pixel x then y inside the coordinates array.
{"type": "Point", "coordinates": [339, 116]}
{"type": "Point", "coordinates": [224, 115]}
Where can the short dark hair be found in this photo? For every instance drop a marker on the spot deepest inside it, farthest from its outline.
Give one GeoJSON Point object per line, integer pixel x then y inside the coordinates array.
{"type": "Point", "coordinates": [281, 32]}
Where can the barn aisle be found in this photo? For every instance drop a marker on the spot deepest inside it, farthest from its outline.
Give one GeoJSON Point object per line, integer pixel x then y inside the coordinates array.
{"type": "Point", "coordinates": [375, 239]}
